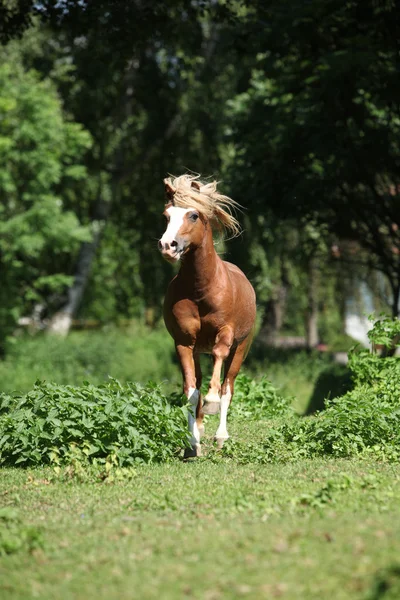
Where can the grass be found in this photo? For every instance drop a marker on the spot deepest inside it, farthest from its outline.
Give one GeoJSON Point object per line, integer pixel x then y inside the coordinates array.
{"type": "Point", "coordinates": [212, 528]}
{"type": "Point", "coordinates": [209, 528]}
{"type": "Point", "coordinates": [135, 354]}
{"type": "Point", "coordinates": [140, 354]}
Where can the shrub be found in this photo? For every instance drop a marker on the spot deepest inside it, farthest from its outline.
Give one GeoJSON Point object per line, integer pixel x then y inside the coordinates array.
{"type": "Point", "coordinates": [257, 399]}
{"type": "Point", "coordinates": [364, 420]}
{"type": "Point", "coordinates": [48, 424]}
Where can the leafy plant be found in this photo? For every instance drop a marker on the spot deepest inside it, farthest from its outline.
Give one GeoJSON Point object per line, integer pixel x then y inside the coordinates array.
{"type": "Point", "coordinates": [257, 399]}
{"type": "Point", "coordinates": [364, 420]}
{"type": "Point", "coordinates": [56, 424]}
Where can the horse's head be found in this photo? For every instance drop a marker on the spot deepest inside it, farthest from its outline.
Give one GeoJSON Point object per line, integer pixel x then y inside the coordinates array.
{"type": "Point", "coordinates": [192, 206]}
{"type": "Point", "coordinates": [185, 230]}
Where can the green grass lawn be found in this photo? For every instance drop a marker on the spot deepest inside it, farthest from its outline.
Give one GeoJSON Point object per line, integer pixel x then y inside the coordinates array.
{"type": "Point", "coordinates": [206, 529]}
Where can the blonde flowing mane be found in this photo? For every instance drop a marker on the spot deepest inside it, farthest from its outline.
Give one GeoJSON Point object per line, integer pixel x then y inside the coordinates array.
{"type": "Point", "coordinates": [187, 191]}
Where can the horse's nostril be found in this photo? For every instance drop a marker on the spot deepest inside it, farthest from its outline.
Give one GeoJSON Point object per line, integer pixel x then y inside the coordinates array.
{"type": "Point", "coordinates": [174, 244]}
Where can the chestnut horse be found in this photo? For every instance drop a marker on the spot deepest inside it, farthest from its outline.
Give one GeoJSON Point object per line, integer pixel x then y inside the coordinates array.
{"type": "Point", "coordinates": [210, 305]}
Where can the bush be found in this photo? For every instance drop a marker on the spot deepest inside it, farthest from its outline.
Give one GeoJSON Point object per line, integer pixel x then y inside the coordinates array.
{"type": "Point", "coordinates": [257, 399]}
{"type": "Point", "coordinates": [51, 422]}
{"type": "Point", "coordinates": [364, 420]}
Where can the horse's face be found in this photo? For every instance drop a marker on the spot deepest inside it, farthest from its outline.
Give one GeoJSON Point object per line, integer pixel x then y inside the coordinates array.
{"type": "Point", "coordinates": [185, 230]}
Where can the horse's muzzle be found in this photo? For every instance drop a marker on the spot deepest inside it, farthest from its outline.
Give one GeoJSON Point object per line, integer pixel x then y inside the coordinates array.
{"type": "Point", "coordinates": [170, 251]}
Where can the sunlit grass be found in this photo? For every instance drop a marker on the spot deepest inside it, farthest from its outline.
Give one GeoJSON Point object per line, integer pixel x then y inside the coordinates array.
{"type": "Point", "coordinates": [208, 528]}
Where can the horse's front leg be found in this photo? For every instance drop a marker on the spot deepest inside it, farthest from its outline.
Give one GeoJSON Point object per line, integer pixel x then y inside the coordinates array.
{"type": "Point", "coordinates": [232, 367]}
{"type": "Point", "coordinates": [186, 360]}
{"type": "Point", "coordinates": [221, 350]}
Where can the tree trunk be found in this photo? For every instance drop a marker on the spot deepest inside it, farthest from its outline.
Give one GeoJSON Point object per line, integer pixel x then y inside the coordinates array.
{"type": "Point", "coordinates": [275, 311]}
{"type": "Point", "coordinates": [312, 337]}
{"type": "Point", "coordinates": [274, 315]}
{"type": "Point", "coordinates": [61, 322]}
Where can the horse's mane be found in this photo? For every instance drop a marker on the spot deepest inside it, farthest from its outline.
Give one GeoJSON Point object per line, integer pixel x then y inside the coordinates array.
{"type": "Point", "coordinates": [187, 191]}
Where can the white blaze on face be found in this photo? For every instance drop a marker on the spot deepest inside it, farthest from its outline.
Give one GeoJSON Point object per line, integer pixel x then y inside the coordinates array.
{"type": "Point", "coordinates": [176, 216]}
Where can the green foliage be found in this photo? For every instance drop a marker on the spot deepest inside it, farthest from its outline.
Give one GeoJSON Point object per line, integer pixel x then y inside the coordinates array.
{"type": "Point", "coordinates": [314, 131]}
{"type": "Point", "coordinates": [39, 151]}
{"type": "Point", "coordinates": [365, 420]}
{"type": "Point", "coordinates": [257, 399]}
{"type": "Point", "coordinates": [385, 331]}
{"type": "Point", "coordinates": [211, 86]}
{"type": "Point", "coordinates": [51, 423]}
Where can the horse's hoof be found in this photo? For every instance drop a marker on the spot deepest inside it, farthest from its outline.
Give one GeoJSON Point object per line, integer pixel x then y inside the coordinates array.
{"type": "Point", "coordinates": [192, 452]}
{"type": "Point", "coordinates": [210, 408]}
{"type": "Point", "coordinates": [220, 442]}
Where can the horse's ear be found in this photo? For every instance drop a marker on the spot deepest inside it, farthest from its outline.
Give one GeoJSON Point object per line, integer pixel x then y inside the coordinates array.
{"type": "Point", "coordinates": [196, 185]}
{"type": "Point", "coordinates": [169, 190]}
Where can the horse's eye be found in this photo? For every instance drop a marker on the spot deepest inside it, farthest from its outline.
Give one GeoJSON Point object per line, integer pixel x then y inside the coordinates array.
{"type": "Point", "coordinates": [193, 217]}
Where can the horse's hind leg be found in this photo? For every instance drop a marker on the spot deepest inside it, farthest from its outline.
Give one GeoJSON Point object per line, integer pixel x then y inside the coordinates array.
{"type": "Point", "coordinates": [185, 356]}
{"type": "Point", "coordinates": [199, 412]}
{"type": "Point", "coordinates": [232, 368]}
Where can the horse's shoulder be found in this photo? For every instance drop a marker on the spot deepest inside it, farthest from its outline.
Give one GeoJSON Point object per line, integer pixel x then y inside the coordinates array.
{"type": "Point", "coordinates": [231, 268]}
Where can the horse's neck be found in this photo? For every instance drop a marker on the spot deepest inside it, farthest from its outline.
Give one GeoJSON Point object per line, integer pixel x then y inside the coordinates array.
{"type": "Point", "coordinates": [199, 267]}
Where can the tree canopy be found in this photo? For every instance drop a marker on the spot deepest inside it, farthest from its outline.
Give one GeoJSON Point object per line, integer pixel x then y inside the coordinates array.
{"type": "Point", "coordinates": [294, 105]}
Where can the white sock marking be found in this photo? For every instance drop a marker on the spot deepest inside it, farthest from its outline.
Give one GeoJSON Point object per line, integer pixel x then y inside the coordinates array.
{"type": "Point", "coordinates": [222, 432]}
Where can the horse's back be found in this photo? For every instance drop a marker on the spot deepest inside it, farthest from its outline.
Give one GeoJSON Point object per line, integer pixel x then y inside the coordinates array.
{"type": "Point", "coordinates": [241, 284]}
{"type": "Point", "coordinates": [243, 300]}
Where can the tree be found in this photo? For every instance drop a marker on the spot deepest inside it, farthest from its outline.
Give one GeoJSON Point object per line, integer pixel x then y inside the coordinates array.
{"type": "Point", "coordinates": [40, 151]}
{"type": "Point", "coordinates": [317, 130]}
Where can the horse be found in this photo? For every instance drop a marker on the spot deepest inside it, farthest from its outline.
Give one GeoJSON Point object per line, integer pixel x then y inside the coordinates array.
{"type": "Point", "coordinates": [210, 305]}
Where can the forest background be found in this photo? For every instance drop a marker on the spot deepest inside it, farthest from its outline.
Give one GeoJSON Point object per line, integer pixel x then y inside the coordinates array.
{"type": "Point", "coordinates": [293, 106]}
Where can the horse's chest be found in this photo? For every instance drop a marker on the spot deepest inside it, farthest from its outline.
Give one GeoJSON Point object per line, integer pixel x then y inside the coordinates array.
{"type": "Point", "coordinates": [195, 321]}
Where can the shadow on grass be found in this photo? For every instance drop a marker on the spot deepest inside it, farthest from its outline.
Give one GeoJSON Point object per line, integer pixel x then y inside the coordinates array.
{"type": "Point", "coordinates": [335, 380]}
{"type": "Point", "coordinates": [386, 584]}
